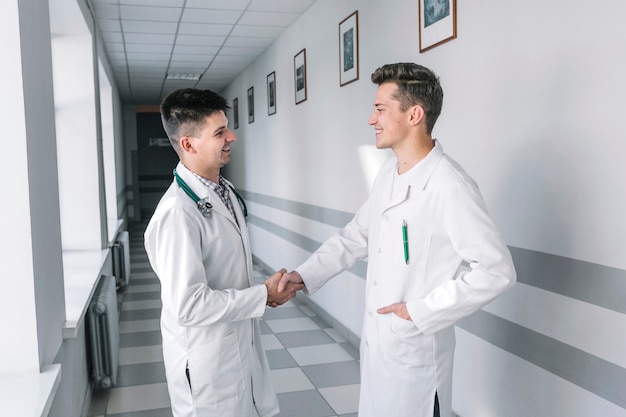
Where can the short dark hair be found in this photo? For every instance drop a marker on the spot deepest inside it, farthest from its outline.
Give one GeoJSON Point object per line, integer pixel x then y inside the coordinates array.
{"type": "Point", "coordinates": [183, 112]}
{"type": "Point", "coordinates": [416, 85]}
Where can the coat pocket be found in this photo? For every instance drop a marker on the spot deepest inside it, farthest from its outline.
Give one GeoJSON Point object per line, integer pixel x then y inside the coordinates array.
{"type": "Point", "coordinates": [405, 346]}
{"type": "Point", "coordinates": [216, 375]}
{"type": "Point", "coordinates": [414, 254]}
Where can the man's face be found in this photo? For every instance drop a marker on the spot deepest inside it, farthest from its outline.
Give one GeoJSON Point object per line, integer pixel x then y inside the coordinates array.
{"type": "Point", "coordinates": [213, 143]}
{"type": "Point", "coordinates": [391, 124]}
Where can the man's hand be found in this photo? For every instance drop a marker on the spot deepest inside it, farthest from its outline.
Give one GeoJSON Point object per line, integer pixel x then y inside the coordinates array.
{"type": "Point", "coordinates": [276, 297]}
{"type": "Point", "coordinates": [291, 277]}
{"type": "Point", "coordinates": [399, 309]}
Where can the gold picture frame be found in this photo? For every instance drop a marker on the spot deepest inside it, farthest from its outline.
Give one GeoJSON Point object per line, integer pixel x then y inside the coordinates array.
{"type": "Point", "coordinates": [349, 49]}
{"type": "Point", "coordinates": [437, 23]}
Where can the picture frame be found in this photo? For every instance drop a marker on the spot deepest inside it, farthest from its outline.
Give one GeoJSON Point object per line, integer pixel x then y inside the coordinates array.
{"type": "Point", "coordinates": [299, 76]}
{"type": "Point", "coordinates": [251, 105]}
{"type": "Point", "coordinates": [271, 93]}
{"type": "Point", "coordinates": [437, 23]}
{"type": "Point", "coordinates": [349, 49]}
{"type": "Point", "coordinates": [236, 113]}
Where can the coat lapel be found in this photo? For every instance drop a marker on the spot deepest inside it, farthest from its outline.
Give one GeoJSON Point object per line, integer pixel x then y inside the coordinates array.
{"type": "Point", "coordinates": [419, 176]}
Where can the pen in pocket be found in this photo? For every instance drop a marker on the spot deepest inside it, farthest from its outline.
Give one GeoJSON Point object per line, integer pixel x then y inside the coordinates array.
{"type": "Point", "coordinates": [405, 242]}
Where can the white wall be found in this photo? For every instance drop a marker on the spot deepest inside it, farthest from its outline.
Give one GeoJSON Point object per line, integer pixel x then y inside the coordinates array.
{"type": "Point", "coordinates": [533, 100]}
{"type": "Point", "coordinates": [539, 86]}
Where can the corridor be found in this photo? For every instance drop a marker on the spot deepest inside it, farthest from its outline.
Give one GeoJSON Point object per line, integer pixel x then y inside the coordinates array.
{"type": "Point", "coordinates": [315, 370]}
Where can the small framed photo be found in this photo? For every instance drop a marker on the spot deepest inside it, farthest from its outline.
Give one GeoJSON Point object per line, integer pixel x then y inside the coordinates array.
{"type": "Point", "coordinates": [236, 113]}
{"type": "Point", "coordinates": [251, 105]}
{"type": "Point", "coordinates": [271, 93]}
{"type": "Point", "coordinates": [299, 73]}
{"type": "Point", "coordinates": [349, 49]}
{"type": "Point", "coordinates": [437, 23]}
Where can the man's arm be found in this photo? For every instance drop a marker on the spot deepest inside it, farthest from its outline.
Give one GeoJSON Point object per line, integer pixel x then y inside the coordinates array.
{"type": "Point", "coordinates": [477, 241]}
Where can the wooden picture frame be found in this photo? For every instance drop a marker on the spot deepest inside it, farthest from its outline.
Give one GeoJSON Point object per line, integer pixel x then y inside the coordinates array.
{"type": "Point", "coordinates": [271, 93]}
{"type": "Point", "coordinates": [299, 76]}
{"type": "Point", "coordinates": [437, 23]}
{"type": "Point", "coordinates": [236, 113]}
{"type": "Point", "coordinates": [349, 49]}
{"type": "Point", "coordinates": [251, 105]}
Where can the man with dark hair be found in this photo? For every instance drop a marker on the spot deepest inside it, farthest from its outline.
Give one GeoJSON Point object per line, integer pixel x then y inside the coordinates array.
{"type": "Point", "coordinates": [197, 243]}
{"type": "Point", "coordinates": [434, 254]}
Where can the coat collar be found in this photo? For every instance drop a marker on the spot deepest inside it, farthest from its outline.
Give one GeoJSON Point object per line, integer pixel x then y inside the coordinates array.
{"type": "Point", "coordinates": [419, 175]}
{"type": "Point", "coordinates": [203, 191]}
{"type": "Point", "coordinates": [426, 167]}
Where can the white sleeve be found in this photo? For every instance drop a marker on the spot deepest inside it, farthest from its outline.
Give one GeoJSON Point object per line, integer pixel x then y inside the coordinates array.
{"type": "Point", "coordinates": [340, 251]}
{"type": "Point", "coordinates": [478, 242]}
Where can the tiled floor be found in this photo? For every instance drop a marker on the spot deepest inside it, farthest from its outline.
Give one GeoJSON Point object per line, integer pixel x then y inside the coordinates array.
{"type": "Point", "coordinates": [315, 371]}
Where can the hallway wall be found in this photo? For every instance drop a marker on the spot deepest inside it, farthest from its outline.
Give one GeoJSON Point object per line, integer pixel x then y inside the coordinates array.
{"type": "Point", "coordinates": [533, 94]}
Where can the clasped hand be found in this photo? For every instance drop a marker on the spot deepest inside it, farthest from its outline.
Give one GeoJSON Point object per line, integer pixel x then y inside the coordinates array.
{"type": "Point", "coordinates": [277, 296]}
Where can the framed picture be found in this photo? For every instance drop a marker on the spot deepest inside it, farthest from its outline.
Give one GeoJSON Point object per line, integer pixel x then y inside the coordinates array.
{"type": "Point", "coordinates": [250, 104]}
{"type": "Point", "coordinates": [299, 73]}
{"type": "Point", "coordinates": [349, 49]}
{"type": "Point", "coordinates": [437, 20]}
{"type": "Point", "coordinates": [271, 93]}
{"type": "Point", "coordinates": [236, 113]}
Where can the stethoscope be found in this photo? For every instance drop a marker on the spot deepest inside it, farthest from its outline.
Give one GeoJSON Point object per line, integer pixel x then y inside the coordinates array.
{"type": "Point", "coordinates": [204, 205]}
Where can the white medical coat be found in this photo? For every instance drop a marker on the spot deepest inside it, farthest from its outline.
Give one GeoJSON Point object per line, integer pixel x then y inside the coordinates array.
{"type": "Point", "coordinates": [404, 363]}
{"type": "Point", "coordinates": [209, 319]}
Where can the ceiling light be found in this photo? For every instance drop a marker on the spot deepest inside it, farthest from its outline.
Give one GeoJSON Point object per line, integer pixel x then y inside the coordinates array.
{"type": "Point", "coordinates": [183, 76]}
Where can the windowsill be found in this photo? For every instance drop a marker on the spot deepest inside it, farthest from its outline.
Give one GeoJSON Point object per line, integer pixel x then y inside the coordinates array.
{"type": "Point", "coordinates": [114, 227]}
{"type": "Point", "coordinates": [81, 273]}
{"type": "Point", "coordinates": [31, 394]}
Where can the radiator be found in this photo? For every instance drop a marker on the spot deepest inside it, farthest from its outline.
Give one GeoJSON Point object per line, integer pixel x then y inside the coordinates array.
{"type": "Point", "coordinates": [103, 334]}
{"type": "Point", "coordinates": [121, 258]}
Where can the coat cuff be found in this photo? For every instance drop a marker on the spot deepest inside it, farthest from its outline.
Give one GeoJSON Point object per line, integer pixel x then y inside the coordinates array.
{"type": "Point", "coordinates": [261, 297]}
{"type": "Point", "coordinates": [421, 315]}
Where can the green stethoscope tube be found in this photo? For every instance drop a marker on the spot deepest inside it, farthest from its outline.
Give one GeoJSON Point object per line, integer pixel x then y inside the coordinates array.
{"type": "Point", "coordinates": [182, 184]}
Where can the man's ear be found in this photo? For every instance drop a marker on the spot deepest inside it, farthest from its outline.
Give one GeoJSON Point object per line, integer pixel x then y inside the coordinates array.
{"type": "Point", "coordinates": [416, 115]}
{"type": "Point", "coordinates": [185, 144]}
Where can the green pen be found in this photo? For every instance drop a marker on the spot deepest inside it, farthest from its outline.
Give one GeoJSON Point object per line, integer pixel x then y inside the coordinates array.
{"type": "Point", "coordinates": [405, 241]}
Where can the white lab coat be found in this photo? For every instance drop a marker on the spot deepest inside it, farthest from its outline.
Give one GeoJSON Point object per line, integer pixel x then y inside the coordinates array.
{"type": "Point", "coordinates": [209, 319]}
{"type": "Point", "coordinates": [404, 363]}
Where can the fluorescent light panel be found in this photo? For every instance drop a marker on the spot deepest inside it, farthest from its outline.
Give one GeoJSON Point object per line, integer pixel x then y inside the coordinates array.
{"type": "Point", "coordinates": [183, 76]}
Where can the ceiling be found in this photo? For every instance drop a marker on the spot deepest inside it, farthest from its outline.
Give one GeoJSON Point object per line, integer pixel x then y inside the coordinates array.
{"type": "Point", "coordinates": [145, 40]}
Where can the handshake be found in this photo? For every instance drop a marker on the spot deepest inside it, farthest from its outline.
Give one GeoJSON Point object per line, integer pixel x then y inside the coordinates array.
{"type": "Point", "coordinates": [282, 286]}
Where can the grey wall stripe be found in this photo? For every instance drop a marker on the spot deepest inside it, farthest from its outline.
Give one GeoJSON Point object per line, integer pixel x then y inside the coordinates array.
{"type": "Point", "coordinates": [592, 283]}
{"type": "Point", "coordinates": [287, 234]}
{"type": "Point", "coordinates": [594, 374]}
{"type": "Point", "coordinates": [328, 216]}
{"type": "Point", "coordinates": [310, 245]}
{"type": "Point", "coordinates": [596, 284]}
